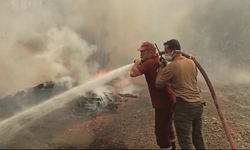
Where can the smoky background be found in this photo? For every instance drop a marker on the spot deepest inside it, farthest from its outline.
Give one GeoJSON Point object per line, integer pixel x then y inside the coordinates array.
{"type": "Point", "coordinates": [75, 40]}
{"type": "Point", "coordinates": [47, 40]}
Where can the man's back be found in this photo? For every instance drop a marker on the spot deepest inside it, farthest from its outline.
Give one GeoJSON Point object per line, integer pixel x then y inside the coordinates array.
{"type": "Point", "coordinates": [184, 81]}
{"type": "Point", "coordinates": [161, 98]}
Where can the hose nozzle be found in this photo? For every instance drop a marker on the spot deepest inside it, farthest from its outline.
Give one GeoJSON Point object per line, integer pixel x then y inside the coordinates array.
{"type": "Point", "coordinates": [142, 61]}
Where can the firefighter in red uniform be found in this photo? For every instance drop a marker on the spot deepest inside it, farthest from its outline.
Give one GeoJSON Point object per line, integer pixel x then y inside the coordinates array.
{"type": "Point", "coordinates": [163, 100]}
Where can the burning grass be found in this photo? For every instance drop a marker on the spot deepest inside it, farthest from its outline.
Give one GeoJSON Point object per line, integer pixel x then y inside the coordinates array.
{"type": "Point", "coordinates": [91, 102]}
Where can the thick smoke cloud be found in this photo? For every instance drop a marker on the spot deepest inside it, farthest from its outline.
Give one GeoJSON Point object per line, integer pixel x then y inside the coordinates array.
{"type": "Point", "coordinates": [45, 40]}
{"type": "Point", "coordinates": [219, 35]}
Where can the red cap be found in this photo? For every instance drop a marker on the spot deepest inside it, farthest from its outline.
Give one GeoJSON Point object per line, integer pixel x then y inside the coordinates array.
{"type": "Point", "coordinates": [147, 46]}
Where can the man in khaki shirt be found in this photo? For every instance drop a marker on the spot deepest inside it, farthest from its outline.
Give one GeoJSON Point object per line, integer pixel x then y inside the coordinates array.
{"type": "Point", "coordinates": [182, 73]}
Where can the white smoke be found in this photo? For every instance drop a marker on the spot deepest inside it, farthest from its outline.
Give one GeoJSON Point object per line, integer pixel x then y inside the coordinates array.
{"type": "Point", "coordinates": [35, 49]}
{"type": "Point", "coordinates": [67, 82]}
{"type": "Point", "coordinates": [125, 85]}
{"type": "Point", "coordinates": [44, 40]}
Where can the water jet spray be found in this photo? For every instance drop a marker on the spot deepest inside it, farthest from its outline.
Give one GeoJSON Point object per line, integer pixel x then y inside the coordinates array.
{"type": "Point", "coordinates": [12, 125]}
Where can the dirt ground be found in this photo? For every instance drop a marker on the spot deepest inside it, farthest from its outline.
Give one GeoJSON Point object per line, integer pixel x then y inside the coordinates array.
{"type": "Point", "coordinates": [131, 125]}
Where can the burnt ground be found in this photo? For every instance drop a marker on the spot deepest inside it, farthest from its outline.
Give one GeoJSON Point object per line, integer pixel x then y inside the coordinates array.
{"type": "Point", "coordinates": [130, 124]}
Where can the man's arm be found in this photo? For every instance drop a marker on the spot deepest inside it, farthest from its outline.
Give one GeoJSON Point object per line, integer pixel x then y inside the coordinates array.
{"type": "Point", "coordinates": [134, 72]}
{"type": "Point", "coordinates": [139, 68]}
{"type": "Point", "coordinates": [164, 76]}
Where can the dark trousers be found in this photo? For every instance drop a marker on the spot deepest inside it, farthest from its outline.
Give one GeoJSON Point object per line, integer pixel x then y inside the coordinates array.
{"type": "Point", "coordinates": [188, 124]}
{"type": "Point", "coordinates": [164, 132]}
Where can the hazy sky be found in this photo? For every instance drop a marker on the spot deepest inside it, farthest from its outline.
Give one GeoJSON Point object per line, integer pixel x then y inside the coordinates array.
{"type": "Point", "coordinates": [45, 40]}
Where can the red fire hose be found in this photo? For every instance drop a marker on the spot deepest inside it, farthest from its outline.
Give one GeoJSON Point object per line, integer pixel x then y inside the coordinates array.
{"type": "Point", "coordinates": [211, 89]}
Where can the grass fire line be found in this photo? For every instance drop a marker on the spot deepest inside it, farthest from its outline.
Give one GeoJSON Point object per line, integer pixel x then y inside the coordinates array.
{"type": "Point", "coordinates": [12, 125]}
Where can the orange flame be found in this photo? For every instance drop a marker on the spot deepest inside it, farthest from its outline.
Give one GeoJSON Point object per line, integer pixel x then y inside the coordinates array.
{"type": "Point", "coordinates": [103, 73]}
{"type": "Point", "coordinates": [100, 74]}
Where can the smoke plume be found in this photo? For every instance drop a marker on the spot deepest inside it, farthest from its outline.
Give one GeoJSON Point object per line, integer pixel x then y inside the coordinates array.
{"type": "Point", "coordinates": [217, 33]}
{"type": "Point", "coordinates": [46, 40]}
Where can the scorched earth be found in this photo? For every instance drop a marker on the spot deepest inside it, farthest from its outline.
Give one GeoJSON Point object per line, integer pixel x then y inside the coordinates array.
{"type": "Point", "coordinates": [128, 122]}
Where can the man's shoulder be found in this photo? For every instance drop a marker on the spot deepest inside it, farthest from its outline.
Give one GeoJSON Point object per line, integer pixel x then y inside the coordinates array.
{"type": "Point", "coordinates": [171, 64]}
{"type": "Point", "coordinates": [153, 61]}
{"type": "Point", "coordinates": [182, 60]}
{"type": "Point", "coordinates": [149, 66]}
{"type": "Point", "coordinates": [188, 61]}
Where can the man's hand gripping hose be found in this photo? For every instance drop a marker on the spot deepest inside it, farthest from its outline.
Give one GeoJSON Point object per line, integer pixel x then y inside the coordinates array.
{"type": "Point", "coordinates": [213, 94]}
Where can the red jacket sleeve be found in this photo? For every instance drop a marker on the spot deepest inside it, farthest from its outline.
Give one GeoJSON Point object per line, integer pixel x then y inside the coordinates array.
{"type": "Point", "coordinates": [144, 67]}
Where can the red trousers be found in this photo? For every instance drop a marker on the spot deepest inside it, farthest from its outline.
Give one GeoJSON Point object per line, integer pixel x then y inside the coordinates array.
{"type": "Point", "coordinates": [164, 132]}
